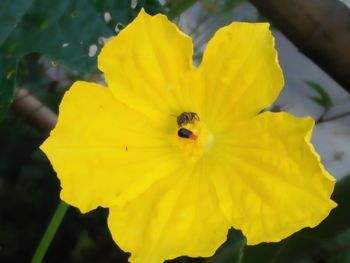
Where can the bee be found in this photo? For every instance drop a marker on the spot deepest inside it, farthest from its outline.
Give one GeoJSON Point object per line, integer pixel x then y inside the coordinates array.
{"type": "Point", "coordinates": [187, 134]}
{"type": "Point", "coordinates": [186, 117]}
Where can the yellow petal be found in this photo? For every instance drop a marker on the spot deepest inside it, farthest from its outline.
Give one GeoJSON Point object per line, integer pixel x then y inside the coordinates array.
{"type": "Point", "coordinates": [270, 181]}
{"type": "Point", "coordinates": [146, 65]}
{"type": "Point", "coordinates": [177, 216]}
{"type": "Point", "coordinates": [104, 153]}
{"type": "Point", "coordinates": [240, 72]}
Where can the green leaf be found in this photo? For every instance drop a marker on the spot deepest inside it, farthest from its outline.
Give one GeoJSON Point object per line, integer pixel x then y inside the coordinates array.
{"type": "Point", "coordinates": [323, 99]}
{"type": "Point", "coordinates": [7, 84]}
{"type": "Point", "coordinates": [152, 6]}
{"type": "Point", "coordinates": [11, 12]}
{"type": "Point", "coordinates": [62, 30]}
{"type": "Point", "coordinates": [232, 251]}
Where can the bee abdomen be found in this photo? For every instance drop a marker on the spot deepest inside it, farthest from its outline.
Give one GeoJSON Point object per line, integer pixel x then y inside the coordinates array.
{"type": "Point", "coordinates": [185, 133]}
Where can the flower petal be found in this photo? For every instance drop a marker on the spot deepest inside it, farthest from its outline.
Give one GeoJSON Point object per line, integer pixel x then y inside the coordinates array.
{"type": "Point", "coordinates": [272, 183]}
{"type": "Point", "coordinates": [145, 65]}
{"type": "Point", "coordinates": [104, 153]}
{"type": "Point", "coordinates": [177, 216]}
{"type": "Point", "coordinates": [240, 71]}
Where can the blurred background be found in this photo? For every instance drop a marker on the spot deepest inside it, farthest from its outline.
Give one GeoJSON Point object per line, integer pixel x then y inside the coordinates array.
{"type": "Point", "coordinates": [46, 45]}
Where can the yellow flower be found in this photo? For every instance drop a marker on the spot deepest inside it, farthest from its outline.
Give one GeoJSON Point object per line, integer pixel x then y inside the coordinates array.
{"type": "Point", "coordinates": [174, 193]}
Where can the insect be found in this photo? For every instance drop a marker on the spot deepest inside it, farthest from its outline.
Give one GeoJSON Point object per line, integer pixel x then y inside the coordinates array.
{"type": "Point", "coordinates": [187, 134]}
{"type": "Point", "coordinates": [186, 117]}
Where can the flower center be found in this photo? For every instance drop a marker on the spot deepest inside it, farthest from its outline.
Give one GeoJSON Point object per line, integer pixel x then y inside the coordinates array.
{"type": "Point", "coordinates": [192, 136]}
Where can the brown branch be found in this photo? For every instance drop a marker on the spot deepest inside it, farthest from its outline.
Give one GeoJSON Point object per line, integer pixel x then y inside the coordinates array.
{"type": "Point", "coordinates": [319, 28]}
{"type": "Point", "coordinates": [31, 109]}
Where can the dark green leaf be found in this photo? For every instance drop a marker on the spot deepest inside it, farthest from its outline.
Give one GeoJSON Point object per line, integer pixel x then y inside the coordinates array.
{"type": "Point", "coordinates": [231, 251]}
{"type": "Point", "coordinates": [323, 99]}
{"type": "Point", "coordinates": [61, 30]}
{"type": "Point", "coordinates": [11, 12]}
{"type": "Point", "coordinates": [7, 83]}
{"type": "Point", "coordinates": [318, 101]}
{"type": "Point", "coordinates": [152, 6]}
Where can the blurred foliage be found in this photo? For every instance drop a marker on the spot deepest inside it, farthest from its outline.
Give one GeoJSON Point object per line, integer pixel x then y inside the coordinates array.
{"type": "Point", "coordinates": [323, 99]}
{"type": "Point", "coordinates": [44, 46]}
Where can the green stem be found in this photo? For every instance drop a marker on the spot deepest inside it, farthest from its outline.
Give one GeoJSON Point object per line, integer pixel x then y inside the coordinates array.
{"type": "Point", "coordinates": [50, 232]}
{"type": "Point", "coordinates": [332, 118]}
{"type": "Point", "coordinates": [321, 118]}
{"type": "Point", "coordinates": [179, 8]}
{"type": "Point", "coordinates": [241, 250]}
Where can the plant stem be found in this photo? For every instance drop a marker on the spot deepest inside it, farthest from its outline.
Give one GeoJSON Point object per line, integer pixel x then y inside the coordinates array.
{"type": "Point", "coordinates": [324, 113]}
{"type": "Point", "coordinates": [241, 250]}
{"type": "Point", "coordinates": [332, 118]}
{"type": "Point", "coordinates": [50, 232]}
